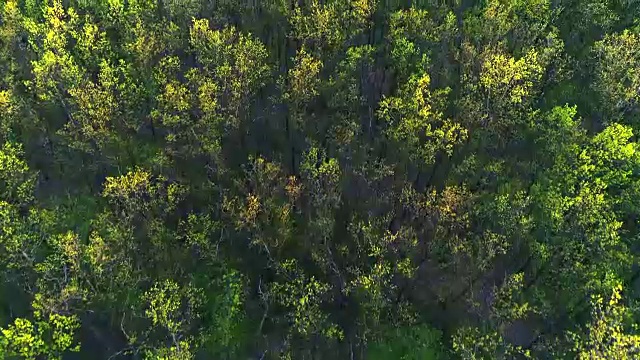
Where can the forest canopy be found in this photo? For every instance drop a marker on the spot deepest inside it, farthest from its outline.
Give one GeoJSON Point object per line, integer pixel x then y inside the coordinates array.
{"type": "Point", "coordinates": [319, 179]}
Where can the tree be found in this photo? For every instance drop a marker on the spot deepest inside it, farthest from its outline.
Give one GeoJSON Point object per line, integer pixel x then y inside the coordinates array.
{"type": "Point", "coordinates": [419, 342]}
{"type": "Point", "coordinates": [606, 336]}
{"type": "Point", "coordinates": [51, 336]}
{"type": "Point", "coordinates": [617, 81]}
{"type": "Point", "coordinates": [319, 179]}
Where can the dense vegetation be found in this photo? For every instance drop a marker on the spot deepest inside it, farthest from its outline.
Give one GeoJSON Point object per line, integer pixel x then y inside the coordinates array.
{"type": "Point", "coordinates": [308, 179]}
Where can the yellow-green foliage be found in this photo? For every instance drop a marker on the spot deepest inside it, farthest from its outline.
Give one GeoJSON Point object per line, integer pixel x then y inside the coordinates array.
{"type": "Point", "coordinates": [302, 297]}
{"type": "Point", "coordinates": [172, 307]}
{"type": "Point", "coordinates": [607, 335]}
{"type": "Point", "coordinates": [472, 343]}
{"type": "Point", "coordinates": [48, 337]}
{"type": "Point", "coordinates": [506, 79]}
{"type": "Point", "coordinates": [16, 180]}
{"type": "Point", "coordinates": [417, 123]}
{"type": "Point", "coordinates": [508, 304]}
{"type": "Point", "coordinates": [237, 60]}
{"type": "Point", "coordinates": [329, 24]}
{"type": "Point", "coordinates": [304, 78]}
{"type": "Point", "coordinates": [618, 72]}
{"type": "Point", "coordinates": [305, 179]}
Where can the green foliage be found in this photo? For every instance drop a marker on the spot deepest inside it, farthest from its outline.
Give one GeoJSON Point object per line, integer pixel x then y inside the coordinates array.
{"type": "Point", "coordinates": [49, 336]}
{"type": "Point", "coordinates": [319, 179]}
{"type": "Point", "coordinates": [165, 303]}
{"type": "Point", "coordinates": [508, 303]}
{"type": "Point", "coordinates": [472, 343]}
{"type": "Point", "coordinates": [418, 342]}
{"type": "Point", "coordinates": [416, 121]}
{"type": "Point", "coordinates": [16, 180]}
{"type": "Point", "coordinates": [240, 69]}
{"type": "Point", "coordinates": [606, 336]}
{"type": "Point", "coordinates": [302, 298]}
{"type": "Point", "coordinates": [303, 78]}
{"type": "Point", "coordinates": [329, 24]}
{"type": "Point", "coordinates": [517, 21]}
{"type": "Point", "coordinates": [506, 79]}
{"type": "Point", "coordinates": [617, 77]}
{"type": "Point", "coordinates": [138, 192]}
